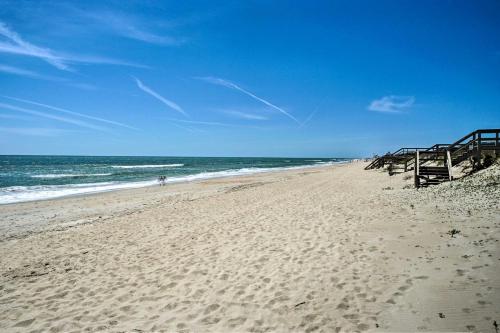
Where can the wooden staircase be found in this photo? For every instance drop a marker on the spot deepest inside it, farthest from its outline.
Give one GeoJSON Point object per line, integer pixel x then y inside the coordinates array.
{"type": "Point", "coordinates": [433, 175]}
{"type": "Point", "coordinates": [431, 168]}
{"type": "Point", "coordinates": [434, 165]}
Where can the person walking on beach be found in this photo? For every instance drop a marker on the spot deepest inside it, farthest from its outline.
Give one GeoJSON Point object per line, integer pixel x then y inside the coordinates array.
{"type": "Point", "coordinates": [162, 180]}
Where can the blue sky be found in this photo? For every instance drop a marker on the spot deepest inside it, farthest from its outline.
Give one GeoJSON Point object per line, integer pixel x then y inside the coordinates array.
{"type": "Point", "coordinates": [246, 78]}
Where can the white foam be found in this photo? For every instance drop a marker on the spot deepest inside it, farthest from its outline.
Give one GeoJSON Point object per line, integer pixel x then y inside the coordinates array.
{"type": "Point", "coordinates": [15, 194]}
{"type": "Point", "coordinates": [147, 166]}
{"type": "Point", "coordinates": [69, 175]}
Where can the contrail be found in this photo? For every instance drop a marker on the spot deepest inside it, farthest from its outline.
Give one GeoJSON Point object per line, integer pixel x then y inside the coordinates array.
{"type": "Point", "coordinates": [50, 116]}
{"type": "Point", "coordinates": [30, 49]}
{"type": "Point", "coordinates": [230, 85]}
{"type": "Point", "coordinates": [162, 99]}
{"type": "Point", "coordinates": [209, 123]}
{"type": "Point", "coordinates": [308, 118]}
{"type": "Point", "coordinates": [311, 115]}
{"type": "Point", "coordinates": [17, 45]}
{"type": "Point", "coordinates": [27, 73]}
{"type": "Point", "coordinates": [71, 112]}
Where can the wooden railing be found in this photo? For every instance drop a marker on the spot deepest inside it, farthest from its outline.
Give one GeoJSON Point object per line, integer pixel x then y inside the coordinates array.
{"type": "Point", "coordinates": [438, 147]}
{"type": "Point", "coordinates": [478, 134]}
{"type": "Point", "coordinates": [473, 144]}
{"type": "Point", "coordinates": [406, 151]}
{"type": "Point", "coordinates": [468, 146]}
{"type": "Point", "coordinates": [398, 155]}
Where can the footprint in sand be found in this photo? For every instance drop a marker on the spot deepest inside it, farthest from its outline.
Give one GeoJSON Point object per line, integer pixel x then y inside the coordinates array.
{"type": "Point", "coordinates": [25, 323]}
{"type": "Point", "coordinates": [211, 308]}
{"type": "Point", "coordinates": [234, 322]}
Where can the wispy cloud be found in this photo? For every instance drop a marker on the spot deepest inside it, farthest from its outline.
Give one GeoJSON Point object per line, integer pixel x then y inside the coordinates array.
{"type": "Point", "coordinates": [15, 117]}
{"type": "Point", "coordinates": [308, 119]}
{"type": "Point", "coordinates": [313, 113]}
{"type": "Point", "coordinates": [34, 131]}
{"type": "Point", "coordinates": [72, 121]}
{"type": "Point", "coordinates": [231, 85]}
{"type": "Point", "coordinates": [244, 115]}
{"type": "Point", "coordinates": [55, 108]}
{"type": "Point", "coordinates": [129, 27]}
{"type": "Point", "coordinates": [34, 75]}
{"type": "Point", "coordinates": [100, 60]}
{"type": "Point", "coordinates": [392, 104]}
{"type": "Point", "coordinates": [162, 99]}
{"type": "Point", "coordinates": [27, 73]}
{"type": "Point", "coordinates": [208, 123]}
{"type": "Point", "coordinates": [26, 48]}
{"type": "Point", "coordinates": [19, 46]}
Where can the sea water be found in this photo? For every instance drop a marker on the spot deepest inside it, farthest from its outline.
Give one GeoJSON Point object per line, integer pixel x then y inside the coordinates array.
{"type": "Point", "coordinates": [27, 178]}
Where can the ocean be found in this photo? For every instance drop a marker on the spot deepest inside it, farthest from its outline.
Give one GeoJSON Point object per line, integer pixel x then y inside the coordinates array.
{"type": "Point", "coordinates": [28, 178]}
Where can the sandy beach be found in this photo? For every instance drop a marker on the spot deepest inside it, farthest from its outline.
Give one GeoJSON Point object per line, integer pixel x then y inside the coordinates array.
{"type": "Point", "coordinates": [329, 249]}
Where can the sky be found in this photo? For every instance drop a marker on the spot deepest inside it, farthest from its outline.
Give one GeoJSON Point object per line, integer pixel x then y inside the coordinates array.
{"type": "Point", "coordinates": [245, 78]}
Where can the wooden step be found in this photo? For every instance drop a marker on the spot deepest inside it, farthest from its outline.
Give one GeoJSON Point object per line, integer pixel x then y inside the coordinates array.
{"type": "Point", "coordinates": [425, 167]}
{"type": "Point", "coordinates": [432, 181]}
{"type": "Point", "coordinates": [442, 173]}
{"type": "Point", "coordinates": [431, 171]}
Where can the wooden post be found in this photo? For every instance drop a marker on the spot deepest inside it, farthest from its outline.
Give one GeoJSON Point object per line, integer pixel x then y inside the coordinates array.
{"type": "Point", "coordinates": [448, 162]}
{"type": "Point", "coordinates": [417, 170]}
{"type": "Point", "coordinates": [497, 144]}
{"type": "Point", "coordinates": [478, 142]}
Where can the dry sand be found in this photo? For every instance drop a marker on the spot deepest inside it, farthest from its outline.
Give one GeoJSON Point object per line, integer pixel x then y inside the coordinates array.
{"type": "Point", "coordinates": [328, 249]}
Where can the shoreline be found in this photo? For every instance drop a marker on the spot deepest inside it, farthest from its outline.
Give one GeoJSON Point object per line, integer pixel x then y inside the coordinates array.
{"type": "Point", "coordinates": [50, 217]}
{"type": "Point", "coordinates": [87, 189]}
{"type": "Point", "coordinates": [328, 249]}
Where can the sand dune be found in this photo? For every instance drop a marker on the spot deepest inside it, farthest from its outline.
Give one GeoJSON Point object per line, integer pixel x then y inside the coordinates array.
{"type": "Point", "coordinates": [332, 249]}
